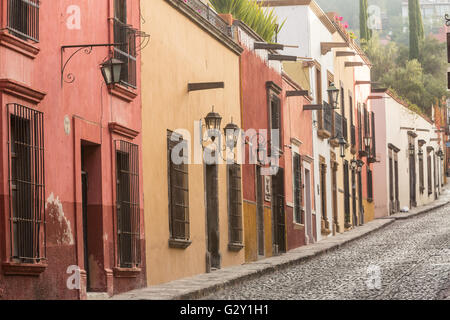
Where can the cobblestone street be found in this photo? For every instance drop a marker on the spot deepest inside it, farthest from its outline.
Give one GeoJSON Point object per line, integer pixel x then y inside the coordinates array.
{"type": "Point", "coordinates": [409, 259]}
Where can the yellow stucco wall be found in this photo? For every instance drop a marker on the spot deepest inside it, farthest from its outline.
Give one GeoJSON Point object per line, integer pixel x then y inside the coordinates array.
{"type": "Point", "coordinates": [180, 52]}
{"type": "Point", "coordinates": [369, 211]}
{"type": "Point", "coordinates": [251, 237]}
{"type": "Point", "coordinates": [299, 73]}
{"type": "Point", "coordinates": [268, 231]}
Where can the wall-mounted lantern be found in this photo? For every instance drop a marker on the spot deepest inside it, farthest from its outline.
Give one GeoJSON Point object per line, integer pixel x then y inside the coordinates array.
{"type": "Point", "coordinates": [231, 135]}
{"type": "Point", "coordinates": [333, 95]}
{"type": "Point", "coordinates": [354, 165]}
{"type": "Point", "coordinates": [111, 71]}
{"type": "Point", "coordinates": [212, 125]}
{"type": "Point", "coordinates": [440, 153]}
{"type": "Point", "coordinates": [213, 121]}
{"type": "Point", "coordinates": [420, 153]}
{"type": "Point", "coordinates": [342, 145]}
{"type": "Point", "coordinates": [367, 142]}
{"type": "Point", "coordinates": [411, 149]}
{"type": "Point", "coordinates": [360, 165]}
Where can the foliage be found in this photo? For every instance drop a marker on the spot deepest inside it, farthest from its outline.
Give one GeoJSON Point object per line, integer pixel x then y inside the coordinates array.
{"type": "Point", "coordinates": [383, 58]}
{"type": "Point", "coordinates": [263, 21]}
{"type": "Point", "coordinates": [421, 82]}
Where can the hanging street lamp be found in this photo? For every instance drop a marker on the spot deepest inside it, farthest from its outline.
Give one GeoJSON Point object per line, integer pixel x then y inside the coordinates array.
{"type": "Point", "coordinates": [333, 95]}
{"type": "Point", "coordinates": [231, 135]}
{"type": "Point", "coordinates": [342, 145]}
{"type": "Point", "coordinates": [212, 122]}
{"type": "Point", "coordinates": [411, 149]}
{"type": "Point", "coordinates": [367, 142]}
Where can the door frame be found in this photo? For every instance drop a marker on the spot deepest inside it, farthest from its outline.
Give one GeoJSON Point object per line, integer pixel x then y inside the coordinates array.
{"type": "Point", "coordinates": [209, 257]}
{"type": "Point", "coordinates": [309, 236]}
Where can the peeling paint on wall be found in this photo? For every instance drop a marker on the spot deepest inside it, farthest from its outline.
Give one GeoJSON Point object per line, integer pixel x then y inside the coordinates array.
{"type": "Point", "coordinates": [61, 231]}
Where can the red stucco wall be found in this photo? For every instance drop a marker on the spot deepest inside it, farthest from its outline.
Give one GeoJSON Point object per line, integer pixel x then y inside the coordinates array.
{"type": "Point", "coordinates": [255, 74]}
{"type": "Point", "coordinates": [297, 125]}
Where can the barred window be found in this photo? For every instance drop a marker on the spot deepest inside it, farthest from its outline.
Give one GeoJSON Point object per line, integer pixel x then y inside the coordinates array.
{"type": "Point", "coordinates": [360, 125]}
{"type": "Point", "coordinates": [23, 19]}
{"type": "Point", "coordinates": [125, 36]}
{"type": "Point", "coordinates": [26, 184]}
{"type": "Point", "coordinates": [298, 189]}
{"type": "Point", "coordinates": [235, 204]}
{"type": "Point", "coordinates": [421, 175]}
{"type": "Point", "coordinates": [127, 197]}
{"type": "Point", "coordinates": [369, 184]}
{"type": "Point", "coordinates": [346, 192]}
{"type": "Point", "coordinates": [430, 184]}
{"type": "Point", "coordinates": [178, 175]}
{"type": "Point", "coordinates": [374, 135]}
{"type": "Point", "coordinates": [275, 123]}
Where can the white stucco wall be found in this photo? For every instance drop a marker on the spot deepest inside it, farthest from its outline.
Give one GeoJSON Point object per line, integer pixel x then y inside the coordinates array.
{"type": "Point", "coordinates": [393, 121]}
{"type": "Point", "coordinates": [304, 29]}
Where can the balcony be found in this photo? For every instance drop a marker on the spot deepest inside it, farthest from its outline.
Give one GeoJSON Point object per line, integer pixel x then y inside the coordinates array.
{"type": "Point", "coordinates": [338, 125]}
{"type": "Point", "coordinates": [325, 121]}
{"type": "Point", "coordinates": [126, 52]}
{"type": "Point", "coordinates": [207, 13]}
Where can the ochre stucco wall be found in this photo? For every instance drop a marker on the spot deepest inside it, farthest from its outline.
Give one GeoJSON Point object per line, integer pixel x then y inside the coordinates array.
{"type": "Point", "coordinates": [180, 52]}
{"type": "Point", "coordinates": [251, 236]}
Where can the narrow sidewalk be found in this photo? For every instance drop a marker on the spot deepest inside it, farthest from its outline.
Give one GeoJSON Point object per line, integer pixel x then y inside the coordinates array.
{"type": "Point", "coordinates": [204, 284]}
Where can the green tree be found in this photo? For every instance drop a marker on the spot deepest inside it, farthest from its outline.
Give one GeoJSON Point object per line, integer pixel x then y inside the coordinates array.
{"type": "Point", "coordinates": [421, 82]}
{"type": "Point", "coordinates": [365, 32]}
{"type": "Point", "coordinates": [413, 30]}
{"type": "Point", "coordinates": [382, 57]}
{"type": "Point", "coordinates": [419, 20]}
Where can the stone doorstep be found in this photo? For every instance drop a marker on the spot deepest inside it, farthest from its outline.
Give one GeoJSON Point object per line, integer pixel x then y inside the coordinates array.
{"type": "Point", "coordinates": [203, 284]}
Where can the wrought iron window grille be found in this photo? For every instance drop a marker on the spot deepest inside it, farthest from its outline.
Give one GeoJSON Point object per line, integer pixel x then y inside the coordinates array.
{"type": "Point", "coordinates": [23, 19]}
{"type": "Point", "coordinates": [26, 184]}
{"type": "Point", "coordinates": [128, 204]}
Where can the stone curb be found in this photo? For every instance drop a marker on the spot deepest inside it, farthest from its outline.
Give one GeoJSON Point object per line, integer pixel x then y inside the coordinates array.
{"type": "Point", "coordinates": [213, 282]}
{"type": "Point", "coordinates": [199, 286]}
{"type": "Point", "coordinates": [420, 212]}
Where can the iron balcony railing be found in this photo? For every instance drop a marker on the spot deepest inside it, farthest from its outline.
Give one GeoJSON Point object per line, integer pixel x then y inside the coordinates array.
{"type": "Point", "coordinates": [353, 135]}
{"type": "Point", "coordinates": [328, 117]}
{"type": "Point", "coordinates": [23, 19]}
{"type": "Point", "coordinates": [337, 125]}
{"type": "Point", "coordinates": [126, 51]}
{"type": "Point", "coordinates": [206, 12]}
{"type": "Point", "coordinates": [345, 128]}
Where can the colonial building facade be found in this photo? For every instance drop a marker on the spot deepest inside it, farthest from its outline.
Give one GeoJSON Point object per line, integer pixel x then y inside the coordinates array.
{"type": "Point", "coordinates": [264, 194]}
{"type": "Point", "coordinates": [193, 204]}
{"type": "Point", "coordinates": [411, 158]}
{"type": "Point", "coordinates": [71, 166]}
